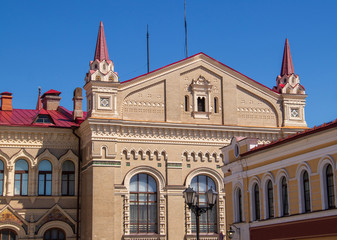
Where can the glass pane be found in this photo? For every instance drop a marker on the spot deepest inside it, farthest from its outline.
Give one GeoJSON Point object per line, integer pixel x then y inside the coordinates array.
{"type": "Point", "coordinates": [41, 187]}
{"type": "Point", "coordinates": [24, 187]}
{"type": "Point", "coordinates": [47, 235]}
{"type": "Point", "coordinates": [68, 166]}
{"type": "Point", "coordinates": [152, 213]}
{"type": "Point", "coordinates": [72, 188]}
{"type": "Point", "coordinates": [48, 177]}
{"type": "Point", "coordinates": [1, 187]}
{"type": "Point", "coordinates": [133, 184]}
{"type": "Point", "coordinates": [45, 165]}
{"type": "Point", "coordinates": [17, 187]}
{"type": "Point", "coordinates": [54, 234]}
{"type": "Point", "coordinates": [48, 188]}
{"type": "Point", "coordinates": [64, 188]}
{"type": "Point", "coordinates": [72, 177]}
{"type": "Point", "coordinates": [152, 187]}
{"type": "Point", "coordinates": [133, 197]}
{"type": "Point", "coordinates": [12, 236]}
{"type": "Point", "coordinates": [133, 213]}
{"type": "Point", "coordinates": [61, 235]}
{"type": "Point", "coordinates": [152, 197]}
{"type": "Point", "coordinates": [21, 165]}
{"type": "Point", "coordinates": [202, 183]}
{"type": "Point", "coordinates": [194, 183]}
{"type": "Point", "coordinates": [142, 182]}
{"type": "Point", "coordinates": [1, 165]}
{"type": "Point", "coordinates": [142, 197]}
{"type": "Point", "coordinates": [211, 184]}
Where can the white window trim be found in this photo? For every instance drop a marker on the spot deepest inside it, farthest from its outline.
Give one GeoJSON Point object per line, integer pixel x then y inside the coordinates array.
{"type": "Point", "coordinates": [322, 165]}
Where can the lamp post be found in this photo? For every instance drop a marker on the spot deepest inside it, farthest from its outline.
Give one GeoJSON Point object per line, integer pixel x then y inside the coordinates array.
{"type": "Point", "coordinates": [191, 199]}
{"type": "Point", "coordinates": [231, 231]}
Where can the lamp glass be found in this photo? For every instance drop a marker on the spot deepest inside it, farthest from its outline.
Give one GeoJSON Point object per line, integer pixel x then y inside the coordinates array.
{"type": "Point", "coordinates": [189, 195]}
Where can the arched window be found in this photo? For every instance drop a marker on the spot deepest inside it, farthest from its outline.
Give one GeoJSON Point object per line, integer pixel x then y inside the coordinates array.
{"type": "Point", "coordinates": [216, 105]}
{"type": "Point", "coordinates": [8, 234]}
{"type": "Point", "coordinates": [1, 178]}
{"type": "Point", "coordinates": [306, 191]}
{"type": "Point", "coordinates": [256, 196]}
{"type": "Point", "coordinates": [54, 234]}
{"type": "Point", "coordinates": [201, 104]}
{"type": "Point", "coordinates": [187, 103]}
{"type": "Point", "coordinates": [45, 178]}
{"type": "Point", "coordinates": [270, 200]}
{"type": "Point", "coordinates": [21, 178]}
{"type": "Point", "coordinates": [284, 197]}
{"type": "Point", "coordinates": [68, 178]}
{"type": "Point", "coordinates": [143, 204]}
{"type": "Point", "coordinates": [208, 220]}
{"type": "Point", "coordinates": [238, 205]}
{"type": "Point", "coordinates": [330, 187]}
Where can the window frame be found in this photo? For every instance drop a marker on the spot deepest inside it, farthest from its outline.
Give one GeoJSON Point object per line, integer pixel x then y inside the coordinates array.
{"type": "Point", "coordinates": [9, 231]}
{"type": "Point", "coordinates": [21, 173]}
{"type": "Point", "coordinates": [137, 203]}
{"type": "Point", "coordinates": [284, 197]}
{"type": "Point", "coordinates": [68, 181]}
{"type": "Point", "coordinates": [305, 183]}
{"type": "Point", "coordinates": [2, 177]}
{"type": "Point", "coordinates": [58, 233]}
{"type": "Point", "coordinates": [330, 194]}
{"type": "Point", "coordinates": [45, 173]}
{"type": "Point", "coordinates": [270, 208]}
{"type": "Point", "coordinates": [256, 202]}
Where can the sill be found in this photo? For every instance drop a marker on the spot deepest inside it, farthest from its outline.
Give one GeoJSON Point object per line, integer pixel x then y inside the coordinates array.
{"type": "Point", "coordinates": [208, 236]}
{"type": "Point", "coordinates": [202, 115]}
{"type": "Point", "coordinates": [144, 236]}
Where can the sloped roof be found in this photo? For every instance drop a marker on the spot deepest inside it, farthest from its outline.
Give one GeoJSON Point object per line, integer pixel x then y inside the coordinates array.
{"type": "Point", "coordinates": [62, 118]}
{"type": "Point", "coordinates": [293, 137]}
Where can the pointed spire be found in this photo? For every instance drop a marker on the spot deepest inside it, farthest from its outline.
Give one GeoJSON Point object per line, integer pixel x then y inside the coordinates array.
{"type": "Point", "coordinates": [287, 63]}
{"type": "Point", "coordinates": [101, 52]}
{"type": "Point", "coordinates": [39, 102]}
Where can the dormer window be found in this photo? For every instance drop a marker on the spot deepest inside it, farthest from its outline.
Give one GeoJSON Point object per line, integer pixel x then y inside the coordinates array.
{"type": "Point", "coordinates": [46, 119]}
{"type": "Point", "coordinates": [95, 66]}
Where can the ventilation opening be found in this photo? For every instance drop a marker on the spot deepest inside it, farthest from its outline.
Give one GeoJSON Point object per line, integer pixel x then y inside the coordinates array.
{"type": "Point", "coordinates": [186, 103]}
{"type": "Point", "coordinates": [44, 119]}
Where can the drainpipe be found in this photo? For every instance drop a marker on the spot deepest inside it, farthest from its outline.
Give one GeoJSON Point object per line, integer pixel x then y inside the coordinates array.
{"type": "Point", "coordinates": [78, 184]}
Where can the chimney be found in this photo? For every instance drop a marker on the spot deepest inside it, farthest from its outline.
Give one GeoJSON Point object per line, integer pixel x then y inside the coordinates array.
{"type": "Point", "coordinates": [77, 99]}
{"type": "Point", "coordinates": [51, 99]}
{"type": "Point", "coordinates": [6, 101]}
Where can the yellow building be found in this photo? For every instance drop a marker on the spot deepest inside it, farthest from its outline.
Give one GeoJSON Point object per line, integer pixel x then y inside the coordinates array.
{"type": "Point", "coordinates": [137, 147]}
{"type": "Point", "coordinates": [285, 189]}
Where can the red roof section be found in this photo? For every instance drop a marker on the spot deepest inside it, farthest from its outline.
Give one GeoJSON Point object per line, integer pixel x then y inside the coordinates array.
{"type": "Point", "coordinates": [51, 92]}
{"type": "Point", "coordinates": [324, 126]}
{"type": "Point", "coordinates": [101, 52]}
{"type": "Point", "coordinates": [287, 63]}
{"type": "Point", "coordinates": [201, 53]}
{"type": "Point", "coordinates": [62, 118]}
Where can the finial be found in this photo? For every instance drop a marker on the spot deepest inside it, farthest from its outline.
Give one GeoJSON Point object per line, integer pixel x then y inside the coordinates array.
{"type": "Point", "coordinates": [101, 52]}
{"type": "Point", "coordinates": [39, 102]}
{"type": "Point", "coordinates": [287, 63]}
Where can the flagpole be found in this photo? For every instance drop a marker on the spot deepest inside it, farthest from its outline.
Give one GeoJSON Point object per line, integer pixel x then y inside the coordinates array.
{"type": "Point", "coordinates": [186, 53]}
{"type": "Point", "coordinates": [148, 52]}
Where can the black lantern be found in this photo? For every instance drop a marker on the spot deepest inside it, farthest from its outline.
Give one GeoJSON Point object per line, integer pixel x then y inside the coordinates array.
{"type": "Point", "coordinates": [230, 232]}
{"type": "Point", "coordinates": [191, 199]}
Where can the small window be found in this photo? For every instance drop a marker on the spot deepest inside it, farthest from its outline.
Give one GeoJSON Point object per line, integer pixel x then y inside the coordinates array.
{"type": "Point", "coordinates": [284, 197]}
{"type": "Point", "coordinates": [216, 105]}
{"type": "Point", "coordinates": [43, 118]}
{"type": "Point", "coordinates": [236, 150]}
{"type": "Point", "coordinates": [8, 234]}
{"type": "Point", "coordinates": [95, 66]}
{"type": "Point", "coordinates": [201, 104]}
{"type": "Point", "coordinates": [330, 187]}
{"type": "Point", "coordinates": [238, 205]}
{"type": "Point", "coordinates": [306, 192]}
{"type": "Point", "coordinates": [270, 201]}
{"type": "Point", "coordinates": [256, 202]}
{"type": "Point", "coordinates": [186, 103]}
{"type": "Point", "coordinates": [54, 234]}
{"type": "Point", "coordinates": [45, 178]}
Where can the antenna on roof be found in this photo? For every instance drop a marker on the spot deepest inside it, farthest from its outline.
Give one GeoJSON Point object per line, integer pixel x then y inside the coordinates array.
{"type": "Point", "coordinates": [148, 54]}
{"type": "Point", "coordinates": [186, 53]}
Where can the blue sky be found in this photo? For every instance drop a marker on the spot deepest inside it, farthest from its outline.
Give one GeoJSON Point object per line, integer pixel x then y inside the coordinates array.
{"type": "Point", "coordinates": [50, 43]}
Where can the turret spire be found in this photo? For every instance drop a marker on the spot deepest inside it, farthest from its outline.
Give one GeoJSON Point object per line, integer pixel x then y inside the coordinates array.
{"type": "Point", "coordinates": [39, 102]}
{"type": "Point", "coordinates": [101, 52]}
{"type": "Point", "coordinates": [287, 63]}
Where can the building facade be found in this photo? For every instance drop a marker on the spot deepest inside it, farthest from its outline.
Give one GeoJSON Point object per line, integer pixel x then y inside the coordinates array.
{"type": "Point", "coordinates": [137, 147]}
{"type": "Point", "coordinates": [285, 189]}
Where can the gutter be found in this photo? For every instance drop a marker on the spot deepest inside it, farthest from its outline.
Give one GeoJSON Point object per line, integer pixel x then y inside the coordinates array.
{"type": "Point", "coordinates": [78, 184]}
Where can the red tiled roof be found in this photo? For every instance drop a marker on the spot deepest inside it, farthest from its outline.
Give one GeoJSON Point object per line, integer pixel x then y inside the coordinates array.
{"type": "Point", "coordinates": [201, 53]}
{"type": "Point", "coordinates": [324, 126]}
{"type": "Point", "coordinates": [26, 118]}
{"type": "Point", "coordinates": [101, 52]}
{"type": "Point", "coordinates": [287, 63]}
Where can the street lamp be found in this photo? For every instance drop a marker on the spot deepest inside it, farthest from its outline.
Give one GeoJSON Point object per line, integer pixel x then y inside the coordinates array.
{"type": "Point", "coordinates": [191, 199]}
{"type": "Point", "coordinates": [231, 231]}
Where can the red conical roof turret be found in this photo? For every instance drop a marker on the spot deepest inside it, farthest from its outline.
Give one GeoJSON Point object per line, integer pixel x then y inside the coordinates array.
{"type": "Point", "coordinates": [287, 63]}
{"type": "Point", "coordinates": [101, 52]}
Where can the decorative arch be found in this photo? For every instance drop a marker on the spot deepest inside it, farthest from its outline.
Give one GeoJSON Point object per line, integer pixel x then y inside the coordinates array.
{"type": "Point", "coordinates": [22, 154]}
{"type": "Point", "coordinates": [47, 155]}
{"type": "Point", "coordinates": [268, 176]}
{"type": "Point", "coordinates": [252, 182]}
{"type": "Point", "coordinates": [55, 224]}
{"type": "Point", "coordinates": [238, 186]}
{"type": "Point", "coordinates": [68, 156]}
{"type": "Point", "coordinates": [19, 230]}
{"type": "Point", "coordinates": [208, 172]}
{"type": "Point", "coordinates": [148, 170]}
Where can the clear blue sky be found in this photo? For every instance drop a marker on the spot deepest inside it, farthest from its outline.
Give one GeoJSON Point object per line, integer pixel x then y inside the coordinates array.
{"type": "Point", "coordinates": [50, 43]}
